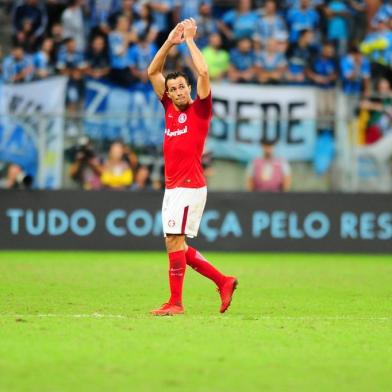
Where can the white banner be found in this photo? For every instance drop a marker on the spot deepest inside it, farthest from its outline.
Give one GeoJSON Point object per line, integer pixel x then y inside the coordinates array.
{"type": "Point", "coordinates": [245, 114]}
{"type": "Point", "coordinates": [32, 124]}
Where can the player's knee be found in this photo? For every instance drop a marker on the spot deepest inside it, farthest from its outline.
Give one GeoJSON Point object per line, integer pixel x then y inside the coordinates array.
{"type": "Point", "coordinates": [175, 243]}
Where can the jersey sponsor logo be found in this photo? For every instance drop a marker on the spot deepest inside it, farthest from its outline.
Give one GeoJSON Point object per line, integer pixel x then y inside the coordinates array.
{"type": "Point", "coordinates": [182, 118]}
{"type": "Point", "coordinates": [179, 132]}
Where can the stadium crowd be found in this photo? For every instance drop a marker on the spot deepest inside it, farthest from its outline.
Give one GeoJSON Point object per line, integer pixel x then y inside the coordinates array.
{"type": "Point", "coordinates": [325, 43]}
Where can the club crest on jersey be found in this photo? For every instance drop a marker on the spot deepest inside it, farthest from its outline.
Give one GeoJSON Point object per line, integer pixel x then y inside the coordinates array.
{"type": "Point", "coordinates": [182, 118]}
{"type": "Point", "coordinates": [171, 223]}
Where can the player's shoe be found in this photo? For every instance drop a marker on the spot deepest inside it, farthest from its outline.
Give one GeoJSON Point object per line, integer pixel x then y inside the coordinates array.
{"type": "Point", "coordinates": [226, 292]}
{"type": "Point", "coordinates": [168, 310]}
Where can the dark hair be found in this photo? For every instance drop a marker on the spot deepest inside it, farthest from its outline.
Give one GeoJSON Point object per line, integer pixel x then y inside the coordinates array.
{"type": "Point", "coordinates": [17, 46]}
{"type": "Point", "coordinates": [242, 39]}
{"type": "Point", "coordinates": [67, 40]}
{"type": "Point", "coordinates": [354, 49]}
{"type": "Point", "coordinates": [175, 75]}
{"type": "Point", "coordinates": [150, 17]}
{"type": "Point", "coordinates": [304, 32]}
{"type": "Point", "coordinates": [267, 142]}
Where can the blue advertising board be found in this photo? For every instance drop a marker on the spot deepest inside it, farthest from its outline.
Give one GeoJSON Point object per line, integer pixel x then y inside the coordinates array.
{"type": "Point", "coordinates": [231, 222]}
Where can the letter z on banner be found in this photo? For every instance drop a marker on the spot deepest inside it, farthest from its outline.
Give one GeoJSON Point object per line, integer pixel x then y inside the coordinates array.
{"type": "Point", "coordinates": [246, 114]}
{"type": "Point", "coordinates": [31, 128]}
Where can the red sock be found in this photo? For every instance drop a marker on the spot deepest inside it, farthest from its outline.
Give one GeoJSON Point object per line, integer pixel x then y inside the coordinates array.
{"type": "Point", "coordinates": [176, 275]}
{"type": "Point", "coordinates": [202, 266]}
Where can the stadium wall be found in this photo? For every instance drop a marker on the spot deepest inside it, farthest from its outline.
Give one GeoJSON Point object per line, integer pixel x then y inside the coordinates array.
{"type": "Point", "coordinates": [297, 222]}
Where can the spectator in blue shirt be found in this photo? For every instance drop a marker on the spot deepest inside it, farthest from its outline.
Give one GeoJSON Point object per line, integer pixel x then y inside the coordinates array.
{"type": "Point", "coordinates": [145, 25]}
{"type": "Point", "coordinates": [97, 59]}
{"type": "Point", "coordinates": [162, 11]}
{"type": "Point", "coordinates": [71, 63]}
{"type": "Point", "coordinates": [305, 17]}
{"type": "Point", "coordinates": [43, 60]}
{"type": "Point", "coordinates": [70, 58]}
{"type": "Point", "coordinates": [270, 23]}
{"type": "Point", "coordinates": [140, 56]}
{"type": "Point", "coordinates": [239, 23]}
{"type": "Point", "coordinates": [98, 14]}
{"type": "Point", "coordinates": [300, 56]}
{"type": "Point", "coordinates": [17, 67]}
{"type": "Point", "coordinates": [270, 64]}
{"type": "Point", "coordinates": [242, 62]}
{"type": "Point", "coordinates": [355, 74]}
{"type": "Point", "coordinates": [355, 70]}
{"type": "Point", "coordinates": [337, 25]}
{"type": "Point", "coordinates": [383, 13]}
{"type": "Point", "coordinates": [206, 25]}
{"type": "Point", "coordinates": [323, 72]}
{"type": "Point", "coordinates": [119, 42]}
{"type": "Point", "coordinates": [190, 8]}
{"type": "Point", "coordinates": [29, 21]}
{"type": "Point", "coordinates": [127, 10]}
{"type": "Point", "coordinates": [357, 20]}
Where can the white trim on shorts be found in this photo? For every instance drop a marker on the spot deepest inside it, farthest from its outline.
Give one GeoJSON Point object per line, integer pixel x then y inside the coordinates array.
{"type": "Point", "coordinates": [182, 210]}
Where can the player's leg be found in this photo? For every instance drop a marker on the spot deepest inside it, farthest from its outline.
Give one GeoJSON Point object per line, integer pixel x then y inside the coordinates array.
{"type": "Point", "coordinates": [225, 284]}
{"type": "Point", "coordinates": [175, 246]}
{"type": "Point", "coordinates": [201, 265]}
{"type": "Point", "coordinates": [174, 213]}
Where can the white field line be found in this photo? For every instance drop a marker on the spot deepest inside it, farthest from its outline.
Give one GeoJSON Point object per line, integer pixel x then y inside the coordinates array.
{"type": "Point", "coordinates": [245, 318]}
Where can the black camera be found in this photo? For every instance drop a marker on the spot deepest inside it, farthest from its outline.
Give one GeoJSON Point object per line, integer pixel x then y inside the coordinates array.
{"type": "Point", "coordinates": [82, 150]}
{"type": "Point", "coordinates": [23, 181]}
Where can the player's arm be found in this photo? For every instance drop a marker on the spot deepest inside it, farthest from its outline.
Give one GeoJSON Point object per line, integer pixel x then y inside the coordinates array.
{"type": "Point", "coordinates": [155, 69]}
{"type": "Point", "coordinates": [203, 77]}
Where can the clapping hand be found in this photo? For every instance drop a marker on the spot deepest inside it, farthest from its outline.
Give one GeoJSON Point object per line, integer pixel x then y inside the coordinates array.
{"type": "Point", "coordinates": [190, 28]}
{"type": "Point", "coordinates": [176, 36]}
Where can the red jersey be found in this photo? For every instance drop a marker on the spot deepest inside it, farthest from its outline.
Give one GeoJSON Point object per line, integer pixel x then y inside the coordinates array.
{"type": "Point", "coordinates": [185, 134]}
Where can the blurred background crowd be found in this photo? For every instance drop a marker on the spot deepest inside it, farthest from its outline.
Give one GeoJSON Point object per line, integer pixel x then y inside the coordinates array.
{"type": "Point", "coordinates": [329, 44]}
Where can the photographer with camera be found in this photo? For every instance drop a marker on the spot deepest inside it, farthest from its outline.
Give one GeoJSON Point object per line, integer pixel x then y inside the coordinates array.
{"type": "Point", "coordinates": [86, 167]}
{"type": "Point", "coordinates": [16, 178]}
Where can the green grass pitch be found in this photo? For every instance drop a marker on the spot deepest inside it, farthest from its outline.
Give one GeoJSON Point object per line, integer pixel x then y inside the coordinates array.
{"type": "Point", "coordinates": [74, 321]}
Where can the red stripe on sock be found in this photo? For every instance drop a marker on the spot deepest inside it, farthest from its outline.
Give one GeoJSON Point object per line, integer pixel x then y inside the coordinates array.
{"type": "Point", "coordinates": [184, 219]}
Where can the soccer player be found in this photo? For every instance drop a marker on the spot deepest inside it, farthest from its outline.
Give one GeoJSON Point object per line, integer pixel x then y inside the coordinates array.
{"type": "Point", "coordinates": [187, 123]}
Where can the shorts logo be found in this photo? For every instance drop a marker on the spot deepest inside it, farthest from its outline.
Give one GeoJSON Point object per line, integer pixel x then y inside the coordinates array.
{"type": "Point", "coordinates": [171, 223]}
{"type": "Point", "coordinates": [182, 118]}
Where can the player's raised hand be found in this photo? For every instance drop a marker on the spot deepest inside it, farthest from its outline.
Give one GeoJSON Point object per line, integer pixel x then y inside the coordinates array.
{"type": "Point", "coordinates": [176, 36]}
{"type": "Point", "coordinates": [190, 28]}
